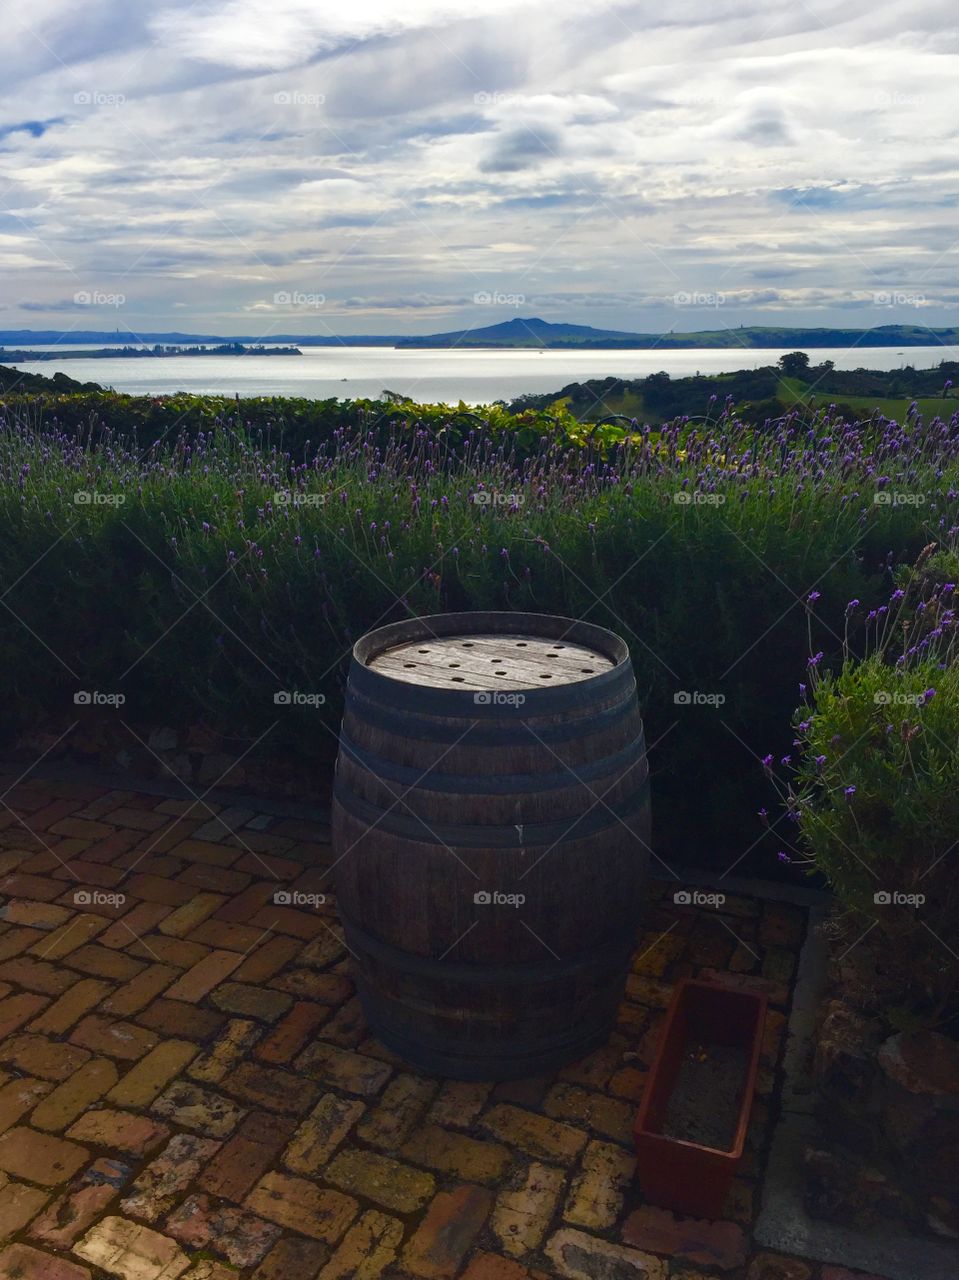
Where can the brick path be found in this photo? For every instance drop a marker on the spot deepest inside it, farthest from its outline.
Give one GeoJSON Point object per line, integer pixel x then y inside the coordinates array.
{"type": "Point", "coordinates": [187, 1087]}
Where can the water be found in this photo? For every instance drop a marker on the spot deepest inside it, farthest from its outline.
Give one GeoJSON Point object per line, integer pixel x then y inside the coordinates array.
{"type": "Point", "coordinates": [476, 377]}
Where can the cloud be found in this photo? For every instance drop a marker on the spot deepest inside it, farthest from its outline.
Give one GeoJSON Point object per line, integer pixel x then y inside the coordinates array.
{"type": "Point", "coordinates": [522, 149]}
{"type": "Point", "coordinates": [402, 155]}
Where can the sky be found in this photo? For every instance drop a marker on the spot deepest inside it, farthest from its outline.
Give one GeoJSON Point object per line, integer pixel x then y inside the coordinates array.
{"type": "Point", "coordinates": [413, 166]}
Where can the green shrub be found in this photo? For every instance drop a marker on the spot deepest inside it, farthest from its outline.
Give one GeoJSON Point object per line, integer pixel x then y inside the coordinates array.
{"type": "Point", "coordinates": [875, 791]}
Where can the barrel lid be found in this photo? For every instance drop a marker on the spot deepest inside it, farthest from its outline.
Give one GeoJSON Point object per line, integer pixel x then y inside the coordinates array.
{"type": "Point", "coordinates": [469, 652]}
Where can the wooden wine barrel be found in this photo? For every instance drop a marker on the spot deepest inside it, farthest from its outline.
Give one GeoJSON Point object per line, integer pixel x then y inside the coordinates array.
{"type": "Point", "coordinates": [491, 835]}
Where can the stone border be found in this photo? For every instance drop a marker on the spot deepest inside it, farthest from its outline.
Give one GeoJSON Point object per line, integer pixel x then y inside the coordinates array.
{"type": "Point", "coordinates": [783, 1222]}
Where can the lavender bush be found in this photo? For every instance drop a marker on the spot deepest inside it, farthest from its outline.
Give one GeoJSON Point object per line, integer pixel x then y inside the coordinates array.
{"type": "Point", "coordinates": [207, 572]}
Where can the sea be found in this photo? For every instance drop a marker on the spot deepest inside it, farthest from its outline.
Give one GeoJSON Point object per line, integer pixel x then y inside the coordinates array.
{"type": "Point", "coordinates": [442, 374]}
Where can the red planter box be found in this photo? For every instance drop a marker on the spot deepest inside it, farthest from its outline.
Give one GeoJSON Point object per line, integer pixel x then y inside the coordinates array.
{"type": "Point", "coordinates": [673, 1173]}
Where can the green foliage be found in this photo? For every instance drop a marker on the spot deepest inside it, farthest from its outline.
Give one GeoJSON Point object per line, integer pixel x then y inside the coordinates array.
{"type": "Point", "coordinates": [876, 786]}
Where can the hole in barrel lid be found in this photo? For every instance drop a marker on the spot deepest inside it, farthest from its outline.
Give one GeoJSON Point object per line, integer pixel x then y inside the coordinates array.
{"type": "Point", "coordinates": [422, 651]}
{"type": "Point", "coordinates": [409, 665]}
{"type": "Point", "coordinates": [521, 644]}
{"type": "Point", "coordinates": [455, 664]}
{"type": "Point", "coordinates": [546, 675]}
{"type": "Point", "coordinates": [458, 679]}
{"type": "Point", "coordinates": [499, 673]}
{"type": "Point", "coordinates": [587, 671]}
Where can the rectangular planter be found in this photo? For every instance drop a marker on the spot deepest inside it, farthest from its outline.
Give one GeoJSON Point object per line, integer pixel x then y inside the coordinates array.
{"type": "Point", "coordinates": [676, 1174]}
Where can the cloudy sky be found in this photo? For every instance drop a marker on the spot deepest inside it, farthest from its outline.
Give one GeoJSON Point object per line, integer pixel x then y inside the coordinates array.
{"type": "Point", "coordinates": [407, 166]}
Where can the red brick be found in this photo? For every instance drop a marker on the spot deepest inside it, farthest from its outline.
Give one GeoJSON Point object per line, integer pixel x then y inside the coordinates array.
{"type": "Point", "coordinates": [241, 1163]}
{"type": "Point", "coordinates": [18, 1009]}
{"type": "Point", "coordinates": [235, 1234]}
{"type": "Point", "coordinates": [487, 1266]}
{"type": "Point", "coordinates": [18, 1096]}
{"type": "Point", "coordinates": [287, 920]}
{"type": "Point", "coordinates": [137, 994]}
{"type": "Point", "coordinates": [154, 889]}
{"type": "Point", "coordinates": [164, 1180]}
{"type": "Point", "coordinates": [82, 828]}
{"type": "Point", "coordinates": [39, 1056]}
{"type": "Point", "coordinates": [447, 1232]}
{"type": "Point", "coordinates": [14, 941]}
{"type": "Point", "coordinates": [70, 1215]}
{"type": "Point", "coordinates": [227, 936]}
{"type": "Point", "coordinates": [271, 1088]}
{"type": "Point", "coordinates": [119, 1131]}
{"type": "Point", "coordinates": [101, 962]}
{"type": "Point", "coordinates": [267, 960]}
{"type": "Point", "coordinates": [292, 1258]}
{"type": "Point", "coordinates": [710, 1244]}
{"type": "Point", "coordinates": [21, 884]}
{"type": "Point", "coordinates": [115, 1039]}
{"type": "Point", "coordinates": [324, 988]}
{"type": "Point", "coordinates": [100, 874]}
{"type": "Point", "coordinates": [74, 1095]}
{"type": "Point", "coordinates": [143, 819]}
{"type": "Point", "coordinates": [207, 852]}
{"type": "Point", "coordinates": [204, 976]}
{"type": "Point", "coordinates": [176, 951]}
{"type": "Point", "coordinates": [73, 1004]}
{"type": "Point", "coordinates": [44, 818]}
{"type": "Point", "coordinates": [111, 846]}
{"type": "Point", "coordinates": [39, 1157]}
{"type": "Point", "coordinates": [20, 1262]}
{"type": "Point", "coordinates": [179, 1019]}
{"type": "Point", "coordinates": [289, 1036]}
{"type": "Point", "coordinates": [219, 879]}
{"type": "Point", "coordinates": [143, 917]}
{"type": "Point", "coordinates": [246, 904]}
{"type": "Point", "coordinates": [268, 864]}
{"type": "Point", "coordinates": [18, 1205]}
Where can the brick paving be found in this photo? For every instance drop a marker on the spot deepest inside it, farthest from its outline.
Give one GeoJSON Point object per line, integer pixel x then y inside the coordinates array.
{"type": "Point", "coordinates": [187, 1088]}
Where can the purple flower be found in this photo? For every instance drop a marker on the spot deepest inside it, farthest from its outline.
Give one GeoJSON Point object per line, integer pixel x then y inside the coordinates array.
{"type": "Point", "coordinates": [815, 660]}
{"type": "Point", "coordinates": [813, 597]}
{"type": "Point", "coordinates": [767, 762]}
{"type": "Point", "coordinates": [849, 792]}
{"type": "Point", "coordinates": [820, 761]}
{"type": "Point", "coordinates": [929, 695]}
{"type": "Point", "coordinates": [852, 606]}
{"type": "Point", "coordinates": [783, 856]}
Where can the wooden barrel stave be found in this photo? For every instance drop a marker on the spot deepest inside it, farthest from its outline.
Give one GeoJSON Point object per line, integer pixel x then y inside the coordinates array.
{"type": "Point", "coordinates": [439, 797]}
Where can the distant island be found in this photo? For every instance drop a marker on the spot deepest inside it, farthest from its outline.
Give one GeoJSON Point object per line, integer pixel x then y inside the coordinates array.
{"type": "Point", "coordinates": [560, 337]}
{"type": "Point", "coordinates": [158, 351]}
{"type": "Point", "coordinates": [531, 333]}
